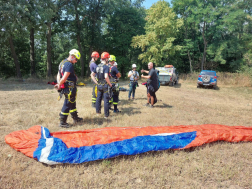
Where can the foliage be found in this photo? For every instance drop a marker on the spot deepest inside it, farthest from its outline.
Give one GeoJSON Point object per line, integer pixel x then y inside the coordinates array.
{"type": "Point", "coordinates": [161, 29]}
{"type": "Point", "coordinates": [191, 35]}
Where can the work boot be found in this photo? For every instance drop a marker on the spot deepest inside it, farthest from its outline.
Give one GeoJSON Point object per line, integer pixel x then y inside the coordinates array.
{"type": "Point", "coordinates": [77, 120]}
{"type": "Point", "coordinates": [117, 111]}
{"type": "Point", "coordinates": [65, 125]}
{"type": "Point", "coordinates": [63, 122]}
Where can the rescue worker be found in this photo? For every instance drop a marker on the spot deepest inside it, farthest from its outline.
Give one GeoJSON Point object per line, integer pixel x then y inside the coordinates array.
{"type": "Point", "coordinates": [114, 78]}
{"type": "Point", "coordinates": [66, 81]}
{"type": "Point", "coordinates": [103, 84]}
{"type": "Point", "coordinates": [95, 55]}
{"type": "Point", "coordinates": [134, 76]}
{"type": "Point", "coordinates": [152, 84]}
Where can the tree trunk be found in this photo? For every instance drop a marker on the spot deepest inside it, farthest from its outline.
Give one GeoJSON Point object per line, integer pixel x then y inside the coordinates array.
{"type": "Point", "coordinates": [14, 56]}
{"type": "Point", "coordinates": [49, 50]}
{"type": "Point", "coordinates": [205, 47]}
{"type": "Point", "coordinates": [190, 61]}
{"type": "Point", "coordinates": [188, 52]}
{"type": "Point", "coordinates": [32, 53]}
{"type": "Point", "coordinates": [79, 40]}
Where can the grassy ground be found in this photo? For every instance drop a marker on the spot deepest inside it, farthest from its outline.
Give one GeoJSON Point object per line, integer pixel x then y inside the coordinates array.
{"type": "Point", "coordinates": [216, 165]}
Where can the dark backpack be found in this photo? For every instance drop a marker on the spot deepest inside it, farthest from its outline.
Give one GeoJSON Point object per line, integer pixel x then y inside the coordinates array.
{"type": "Point", "coordinates": [157, 71]}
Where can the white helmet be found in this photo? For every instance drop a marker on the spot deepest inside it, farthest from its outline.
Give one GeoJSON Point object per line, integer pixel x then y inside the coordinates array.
{"type": "Point", "coordinates": [115, 63]}
{"type": "Point", "coordinates": [76, 53]}
{"type": "Point", "coordinates": [134, 66]}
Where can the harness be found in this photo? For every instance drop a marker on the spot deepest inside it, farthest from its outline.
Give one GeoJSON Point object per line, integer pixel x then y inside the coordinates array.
{"type": "Point", "coordinates": [100, 75]}
{"type": "Point", "coordinates": [134, 76]}
{"type": "Point", "coordinates": [69, 84]}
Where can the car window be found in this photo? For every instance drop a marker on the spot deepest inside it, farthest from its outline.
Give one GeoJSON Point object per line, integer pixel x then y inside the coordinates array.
{"type": "Point", "coordinates": [208, 73]}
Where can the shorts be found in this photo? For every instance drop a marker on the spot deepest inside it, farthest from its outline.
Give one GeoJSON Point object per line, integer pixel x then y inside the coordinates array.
{"type": "Point", "coordinates": [151, 90]}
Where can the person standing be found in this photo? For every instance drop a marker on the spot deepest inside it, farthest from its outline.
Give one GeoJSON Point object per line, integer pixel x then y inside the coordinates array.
{"type": "Point", "coordinates": [134, 76]}
{"type": "Point", "coordinates": [152, 84]}
{"type": "Point", "coordinates": [103, 82]}
{"type": "Point", "coordinates": [67, 82]}
{"type": "Point", "coordinates": [114, 78]}
{"type": "Point", "coordinates": [95, 55]}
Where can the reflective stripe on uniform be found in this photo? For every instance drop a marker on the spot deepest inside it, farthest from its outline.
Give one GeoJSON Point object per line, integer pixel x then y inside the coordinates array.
{"type": "Point", "coordinates": [64, 113]}
{"type": "Point", "coordinates": [74, 110]}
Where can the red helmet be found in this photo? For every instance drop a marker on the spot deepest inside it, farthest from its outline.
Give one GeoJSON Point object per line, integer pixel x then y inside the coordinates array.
{"type": "Point", "coordinates": [95, 54]}
{"type": "Point", "coordinates": [105, 55]}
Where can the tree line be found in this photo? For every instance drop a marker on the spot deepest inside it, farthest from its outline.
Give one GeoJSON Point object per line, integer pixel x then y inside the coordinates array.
{"type": "Point", "coordinates": [190, 34]}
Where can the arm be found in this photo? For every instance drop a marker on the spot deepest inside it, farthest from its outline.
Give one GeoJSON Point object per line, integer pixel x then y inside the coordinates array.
{"type": "Point", "coordinates": [63, 80]}
{"type": "Point", "coordinates": [145, 71]}
{"type": "Point", "coordinates": [58, 77]}
{"type": "Point", "coordinates": [130, 74]}
{"type": "Point", "coordinates": [93, 78]}
{"type": "Point", "coordinates": [146, 77]}
{"type": "Point", "coordinates": [107, 79]}
{"type": "Point", "coordinates": [137, 78]}
{"type": "Point", "coordinates": [118, 75]}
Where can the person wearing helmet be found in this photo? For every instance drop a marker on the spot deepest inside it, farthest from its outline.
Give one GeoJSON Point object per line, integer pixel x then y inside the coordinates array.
{"type": "Point", "coordinates": [114, 78]}
{"type": "Point", "coordinates": [95, 55]}
{"type": "Point", "coordinates": [102, 81]}
{"type": "Point", "coordinates": [134, 76]}
{"type": "Point", "coordinates": [66, 81]}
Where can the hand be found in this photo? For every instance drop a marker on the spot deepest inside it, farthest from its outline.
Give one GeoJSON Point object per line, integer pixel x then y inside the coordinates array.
{"type": "Point", "coordinates": [57, 87]}
{"type": "Point", "coordinates": [76, 77]}
{"type": "Point", "coordinates": [142, 75]}
{"type": "Point", "coordinates": [142, 70]}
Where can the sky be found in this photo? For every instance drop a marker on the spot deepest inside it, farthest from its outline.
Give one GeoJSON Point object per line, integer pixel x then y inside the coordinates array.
{"type": "Point", "coordinates": [147, 3]}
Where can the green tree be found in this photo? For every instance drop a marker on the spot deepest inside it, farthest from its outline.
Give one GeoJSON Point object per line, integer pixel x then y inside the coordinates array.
{"type": "Point", "coordinates": [124, 21]}
{"type": "Point", "coordinates": [161, 30]}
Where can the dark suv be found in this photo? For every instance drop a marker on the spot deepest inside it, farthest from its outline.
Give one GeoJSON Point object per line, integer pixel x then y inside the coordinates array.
{"type": "Point", "coordinates": [207, 78]}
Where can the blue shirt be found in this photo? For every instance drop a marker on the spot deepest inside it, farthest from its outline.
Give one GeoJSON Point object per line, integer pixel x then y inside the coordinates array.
{"type": "Point", "coordinates": [92, 66]}
{"type": "Point", "coordinates": [113, 72]}
{"type": "Point", "coordinates": [68, 67]}
{"type": "Point", "coordinates": [101, 76]}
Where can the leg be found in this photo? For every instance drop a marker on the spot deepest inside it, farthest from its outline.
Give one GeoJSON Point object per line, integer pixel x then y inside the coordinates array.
{"type": "Point", "coordinates": [106, 101]}
{"type": "Point", "coordinates": [99, 99]}
{"type": "Point", "coordinates": [73, 110]}
{"type": "Point", "coordinates": [152, 95]}
{"type": "Point", "coordinates": [133, 90]}
{"type": "Point", "coordinates": [65, 111]}
{"type": "Point", "coordinates": [94, 95]}
{"type": "Point", "coordinates": [130, 89]}
{"type": "Point", "coordinates": [115, 101]}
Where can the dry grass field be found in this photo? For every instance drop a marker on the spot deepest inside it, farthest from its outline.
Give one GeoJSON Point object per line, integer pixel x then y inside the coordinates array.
{"type": "Point", "coordinates": [216, 165]}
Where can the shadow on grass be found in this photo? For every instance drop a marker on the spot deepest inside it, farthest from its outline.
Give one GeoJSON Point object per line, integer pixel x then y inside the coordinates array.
{"type": "Point", "coordinates": [95, 120]}
{"type": "Point", "coordinates": [130, 111]}
{"type": "Point", "coordinates": [163, 106]}
{"type": "Point", "coordinates": [210, 88]}
{"type": "Point", "coordinates": [177, 85]}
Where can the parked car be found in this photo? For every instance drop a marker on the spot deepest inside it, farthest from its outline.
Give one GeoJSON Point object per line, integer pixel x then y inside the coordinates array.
{"type": "Point", "coordinates": [207, 78]}
{"type": "Point", "coordinates": [167, 75]}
